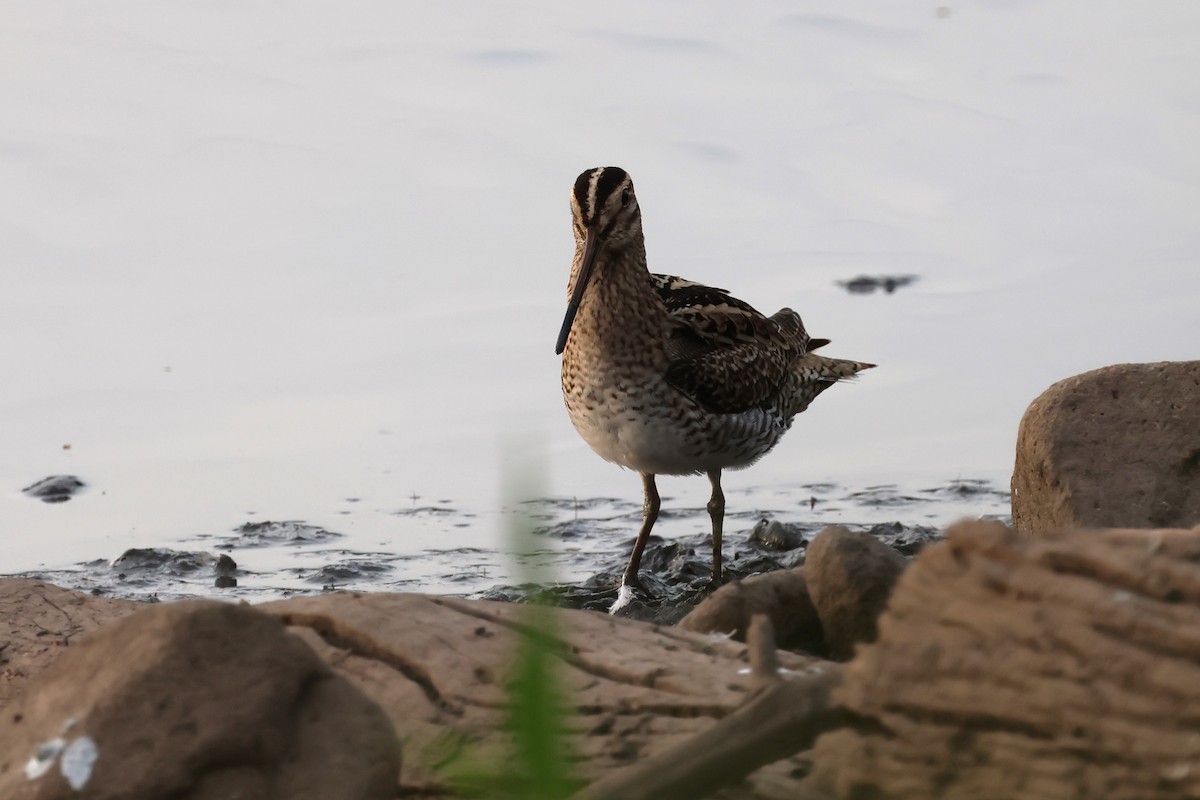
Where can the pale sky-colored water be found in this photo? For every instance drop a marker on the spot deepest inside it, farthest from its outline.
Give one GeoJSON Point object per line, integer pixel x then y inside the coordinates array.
{"type": "Point", "coordinates": [260, 258]}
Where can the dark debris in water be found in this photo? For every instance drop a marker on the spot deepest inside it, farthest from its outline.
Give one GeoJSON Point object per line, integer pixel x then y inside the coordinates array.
{"type": "Point", "coordinates": [880, 496]}
{"type": "Point", "coordinates": [580, 503]}
{"type": "Point", "coordinates": [577, 529]}
{"type": "Point", "coordinates": [867, 284]}
{"type": "Point", "coordinates": [269, 533]}
{"type": "Point", "coordinates": [580, 538]}
{"type": "Point", "coordinates": [907, 539]}
{"type": "Point", "coordinates": [344, 572]}
{"type": "Point", "coordinates": [774, 535]}
{"type": "Point", "coordinates": [55, 489]}
{"type": "Point", "coordinates": [968, 487]}
{"type": "Point", "coordinates": [432, 511]}
{"type": "Point", "coordinates": [159, 560]}
{"type": "Point", "coordinates": [141, 573]}
{"type": "Point", "coordinates": [676, 572]}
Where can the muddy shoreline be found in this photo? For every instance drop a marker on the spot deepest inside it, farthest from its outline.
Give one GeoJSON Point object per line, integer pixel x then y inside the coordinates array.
{"type": "Point", "coordinates": [571, 554]}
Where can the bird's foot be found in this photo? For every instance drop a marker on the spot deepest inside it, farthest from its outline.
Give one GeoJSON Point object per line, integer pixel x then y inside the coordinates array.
{"type": "Point", "coordinates": [625, 591]}
{"type": "Point", "coordinates": [634, 582]}
{"type": "Point", "coordinates": [709, 585]}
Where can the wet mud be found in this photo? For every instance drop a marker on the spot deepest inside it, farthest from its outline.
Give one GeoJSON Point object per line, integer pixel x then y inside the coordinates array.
{"type": "Point", "coordinates": [572, 554]}
{"type": "Point", "coordinates": [677, 573]}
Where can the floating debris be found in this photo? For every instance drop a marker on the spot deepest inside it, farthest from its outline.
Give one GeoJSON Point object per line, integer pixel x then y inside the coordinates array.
{"type": "Point", "coordinates": [969, 487]}
{"type": "Point", "coordinates": [160, 560]}
{"type": "Point", "coordinates": [269, 533]}
{"type": "Point", "coordinates": [884, 495]}
{"type": "Point", "coordinates": [866, 284]}
{"type": "Point", "coordinates": [347, 571]}
{"type": "Point", "coordinates": [55, 489]}
{"type": "Point", "coordinates": [432, 511]}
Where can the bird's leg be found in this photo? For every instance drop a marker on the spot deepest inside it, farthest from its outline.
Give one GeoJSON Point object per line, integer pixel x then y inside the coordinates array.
{"type": "Point", "coordinates": [650, 505]}
{"type": "Point", "coordinates": [716, 510]}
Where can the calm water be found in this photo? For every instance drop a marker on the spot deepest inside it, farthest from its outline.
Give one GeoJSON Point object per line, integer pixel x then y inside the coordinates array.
{"type": "Point", "coordinates": [308, 263]}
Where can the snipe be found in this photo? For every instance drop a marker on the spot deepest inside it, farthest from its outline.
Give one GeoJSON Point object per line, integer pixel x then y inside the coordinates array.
{"type": "Point", "coordinates": [670, 377]}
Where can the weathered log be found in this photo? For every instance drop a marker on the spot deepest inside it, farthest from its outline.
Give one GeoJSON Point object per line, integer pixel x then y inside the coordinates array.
{"type": "Point", "coordinates": [781, 717]}
{"type": "Point", "coordinates": [760, 649]}
{"type": "Point", "coordinates": [1063, 667]}
{"type": "Point", "coordinates": [439, 667]}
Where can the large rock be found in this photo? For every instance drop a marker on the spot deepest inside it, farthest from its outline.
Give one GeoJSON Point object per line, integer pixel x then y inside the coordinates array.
{"type": "Point", "coordinates": [781, 595]}
{"type": "Point", "coordinates": [39, 621]}
{"type": "Point", "coordinates": [1115, 447]}
{"type": "Point", "coordinates": [1056, 668]}
{"type": "Point", "coordinates": [850, 575]}
{"type": "Point", "coordinates": [194, 701]}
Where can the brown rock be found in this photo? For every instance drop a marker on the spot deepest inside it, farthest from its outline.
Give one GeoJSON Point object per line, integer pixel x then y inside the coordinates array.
{"type": "Point", "coordinates": [781, 595]}
{"type": "Point", "coordinates": [1052, 668]}
{"type": "Point", "coordinates": [194, 701]}
{"type": "Point", "coordinates": [39, 621]}
{"type": "Point", "coordinates": [850, 575]}
{"type": "Point", "coordinates": [1115, 447]}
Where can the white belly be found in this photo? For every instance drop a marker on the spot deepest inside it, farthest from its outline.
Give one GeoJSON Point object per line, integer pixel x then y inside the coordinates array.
{"type": "Point", "coordinates": [672, 436]}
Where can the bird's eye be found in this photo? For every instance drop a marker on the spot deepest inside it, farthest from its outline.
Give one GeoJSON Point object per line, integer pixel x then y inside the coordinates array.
{"type": "Point", "coordinates": [624, 197]}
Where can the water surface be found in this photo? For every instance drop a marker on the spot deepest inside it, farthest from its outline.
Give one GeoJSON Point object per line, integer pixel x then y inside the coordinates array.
{"type": "Point", "coordinates": [306, 263]}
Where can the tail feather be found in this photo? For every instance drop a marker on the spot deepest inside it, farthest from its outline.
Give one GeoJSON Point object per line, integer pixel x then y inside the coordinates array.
{"type": "Point", "coordinates": [812, 374]}
{"type": "Point", "coordinates": [823, 368]}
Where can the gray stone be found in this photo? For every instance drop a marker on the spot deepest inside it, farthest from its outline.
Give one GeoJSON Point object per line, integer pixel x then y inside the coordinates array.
{"type": "Point", "coordinates": [1117, 447]}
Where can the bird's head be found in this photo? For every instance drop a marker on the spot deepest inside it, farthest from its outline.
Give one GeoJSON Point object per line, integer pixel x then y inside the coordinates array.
{"type": "Point", "coordinates": [606, 220]}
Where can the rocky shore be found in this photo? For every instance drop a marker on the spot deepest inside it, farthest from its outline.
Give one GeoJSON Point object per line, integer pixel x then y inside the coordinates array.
{"type": "Point", "coordinates": [1057, 658]}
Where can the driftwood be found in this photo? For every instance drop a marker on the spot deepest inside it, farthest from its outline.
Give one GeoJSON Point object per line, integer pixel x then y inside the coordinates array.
{"type": "Point", "coordinates": [781, 717]}
{"type": "Point", "coordinates": [1065, 667]}
{"type": "Point", "coordinates": [438, 667]}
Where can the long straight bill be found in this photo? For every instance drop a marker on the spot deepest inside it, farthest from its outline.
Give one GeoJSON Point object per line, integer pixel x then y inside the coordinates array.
{"type": "Point", "coordinates": [590, 247]}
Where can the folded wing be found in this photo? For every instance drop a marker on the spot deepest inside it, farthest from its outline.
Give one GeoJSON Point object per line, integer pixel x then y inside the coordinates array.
{"type": "Point", "coordinates": [726, 355]}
